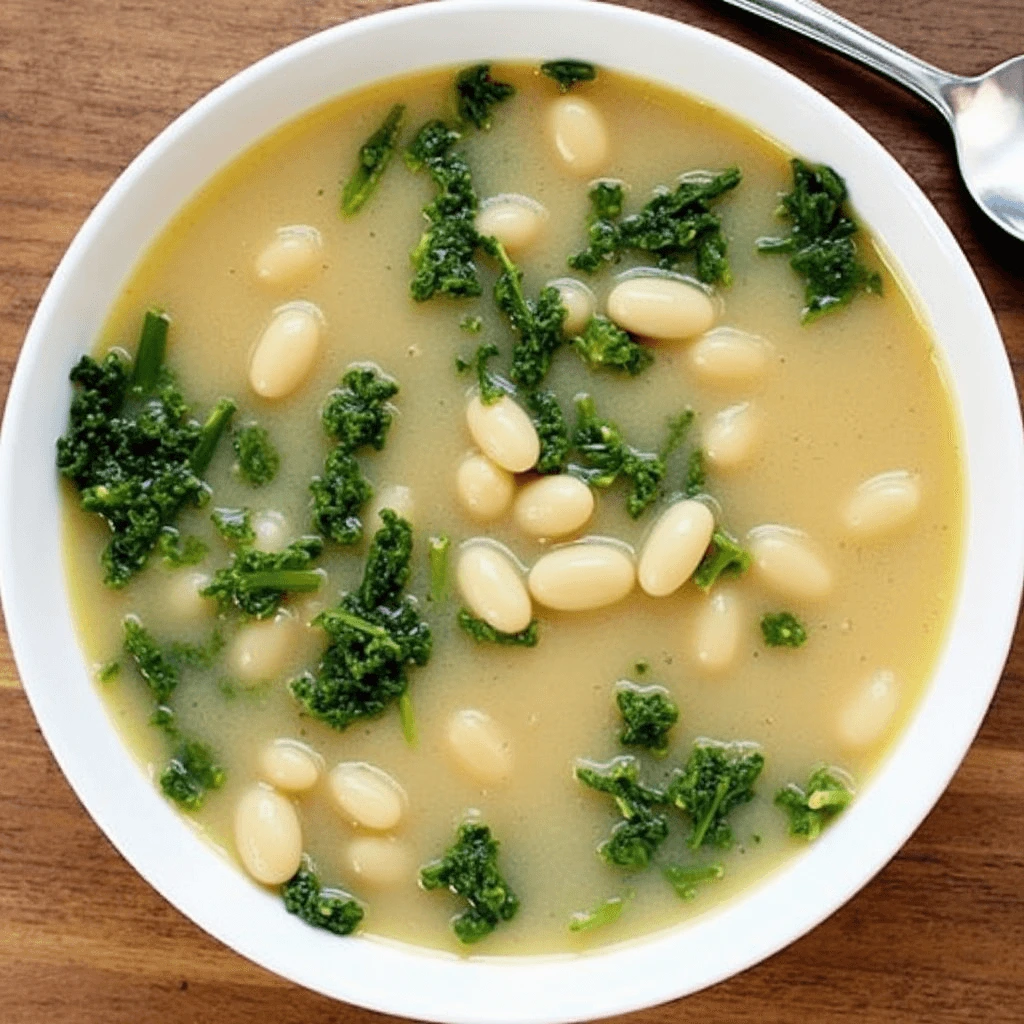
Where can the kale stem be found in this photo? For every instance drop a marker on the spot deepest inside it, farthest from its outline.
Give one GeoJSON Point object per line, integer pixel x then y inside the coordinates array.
{"type": "Point", "coordinates": [439, 547]}
{"type": "Point", "coordinates": [300, 581]}
{"type": "Point", "coordinates": [215, 425]}
{"type": "Point", "coordinates": [702, 826]}
{"type": "Point", "coordinates": [828, 798]}
{"type": "Point", "coordinates": [355, 622]}
{"type": "Point", "coordinates": [408, 718]}
{"type": "Point", "coordinates": [149, 356]}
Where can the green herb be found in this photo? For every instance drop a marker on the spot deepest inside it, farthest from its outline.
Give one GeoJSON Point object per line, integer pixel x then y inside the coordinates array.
{"type": "Point", "coordinates": [177, 552]}
{"type": "Point", "coordinates": [724, 555]}
{"type": "Point", "coordinates": [782, 629]}
{"type": "Point", "coordinates": [821, 246]}
{"type": "Point", "coordinates": [675, 224]}
{"type": "Point", "coordinates": [471, 324]}
{"type": "Point", "coordinates": [374, 156]}
{"type": "Point", "coordinates": [258, 459]}
{"type": "Point", "coordinates": [484, 633]}
{"type": "Point", "coordinates": [718, 778]}
{"type": "Point", "coordinates": [189, 774]}
{"type": "Point", "coordinates": [686, 879]}
{"type": "Point", "coordinates": [828, 791]}
{"type": "Point", "coordinates": [469, 869]}
{"type": "Point", "coordinates": [568, 72]}
{"type": "Point", "coordinates": [552, 430]}
{"type": "Point", "coordinates": [161, 675]}
{"type": "Point", "coordinates": [439, 548]}
{"type": "Point", "coordinates": [359, 413]}
{"type": "Point", "coordinates": [478, 93]}
{"type": "Point", "coordinates": [407, 718]}
{"type": "Point", "coordinates": [696, 477]}
{"type": "Point", "coordinates": [339, 495]}
{"type": "Point", "coordinates": [603, 343]}
{"type": "Point", "coordinates": [492, 387]}
{"type": "Point", "coordinates": [604, 914]}
{"type": "Point", "coordinates": [109, 672]}
{"type": "Point", "coordinates": [331, 909]}
{"type": "Point", "coordinates": [648, 713]}
{"type": "Point", "coordinates": [374, 634]}
{"type": "Point", "coordinates": [234, 525]}
{"type": "Point", "coordinates": [678, 427]}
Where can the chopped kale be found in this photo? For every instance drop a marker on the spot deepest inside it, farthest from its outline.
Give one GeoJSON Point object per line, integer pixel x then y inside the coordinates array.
{"type": "Point", "coordinates": [724, 555]}
{"type": "Point", "coordinates": [483, 633]}
{"type": "Point", "coordinates": [234, 525]}
{"type": "Point", "coordinates": [359, 413]}
{"type": "Point", "coordinates": [469, 869]}
{"type": "Point", "coordinates": [678, 427]}
{"type": "Point", "coordinates": [109, 672]}
{"type": "Point", "coordinates": [552, 430]}
{"type": "Point", "coordinates": [492, 387]}
{"type": "Point", "coordinates": [568, 72]}
{"type": "Point", "coordinates": [197, 655]}
{"type": "Point", "coordinates": [478, 93]}
{"type": "Point", "coordinates": [696, 476]}
{"type": "Point", "coordinates": [783, 629]}
{"type": "Point", "coordinates": [178, 552]}
{"type": "Point", "coordinates": [374, 634]}
{"type": "Point", "coordinates": [828, 791]}
{"type": "Point", "coordinates": [648, 713]}
{"type": "Point", "coordinates": [439, 547]}
{"type": "Point", "coordinates": [189, 774]}
{"type": "Point", "coordinates": [256, 582]}
{"type": "Point", "coordinates": [718, 778]}
{"type": "Point", "coordinates": [686, 878]}
{"type": "Point", "coordinates": [339, 496]}
{"type": "Point", "coordinates": [471, 324]}
{"type": "Point", "coordinates": [257, 459]}
{"type": "Point", "coordinates": [820, 243]}
{"type": "Point", "coordinates": [606, 201]}
{"type": "Point", "coordinates": [156, 668]}
{"type": "Point", "coordinates": [407, 718]}
{"type": "Point", "coordinates": [603, 914]}
{"type": "Point", "coordinates": [151, 352]}
{"type": "Point", "coordinates": [331, 909]}
{"type": "Point", "coordinates": [603, 343]}
{"type": "Point", "coordinates": [374, 156]}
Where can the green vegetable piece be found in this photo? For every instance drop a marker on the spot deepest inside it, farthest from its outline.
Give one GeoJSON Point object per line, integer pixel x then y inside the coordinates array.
{"type": "Point", "coordinates": [469, 868]}
{"type": "Point", "coordinates": [338, 498]}
{"type": "Point", "coordinates": [374, 156]}
{"type": "Point", "coordinates": [471, 324]}
{"type": "Point", "coordinates": [443, 260]}
{"type": "Point", "coordinates": [783, 629]}
{"type": "Point", "coordinates": [109, 672]}
{"type": "Point", "coordinates": [478, 93]}
{"type": "Point", "coordinates": [718, 778]}
{"type": "Point", "coordinates": [678, 427]}
{"type": "Point", "coordinates": [603, 242]}
{"type": "Point", "coordinates": [210, 433]}
{"type": "Point", "coordinates": [190, 774]}
{"type": "Point", "coordinates": [603, 343]}
{"type": "Point", "coordinates": [256, 582]}
{"type": "Point", "coordinates": [234, 525]}
{"type": "Point", "coordinates": [258, 459]}
{"type": "Point", "coordinates": [177, 552]}
{"type": "Point", "coordinates": [604, 914]}
{"type": "Point", "coordinates": [552, 430]}
{"type": "Point", "coordinates": [686, 879]}
{"type": "Point", "coordinates": [374, 634]}
{"type": "Point", "coordinates": [492, 387]}
{"type": "Point", "coordinates": [359, 413]}
{"type": "Point", "coordinates": [696, 476]}
{"type": "Point", "coordinates": [331, 909]}
{"type": "Point", "coordinates": [163, 718]}
{"type": "Point", "coordinates": [648, 713]}
{"type": "Point", "coordinates": [440, 547]}
{"type": "Point", "coordinates": [568, 72]}
{"type": "Point", "coordinates": [197, 655]}
{"type": "Point", "coordinates": [149, 356]}
{"type": "Point", "coordinates": [634, 841]}
{"type": "Point", "coordinates": [724, 555]}
{"type": "Point", "coordinates": [828, 791]}
{"type": "Point", "coordinates": [820, 244]}
{"type": "Point", "coordinates": [158, 671]}
{"type": "Point", "coordinates": [407, 717]}
{"type": "Point", "coordinates": [484, 633]}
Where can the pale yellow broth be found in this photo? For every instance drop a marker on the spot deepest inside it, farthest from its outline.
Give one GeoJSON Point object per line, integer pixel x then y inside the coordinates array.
{"type": "Point", "coordinates": [853, 395]}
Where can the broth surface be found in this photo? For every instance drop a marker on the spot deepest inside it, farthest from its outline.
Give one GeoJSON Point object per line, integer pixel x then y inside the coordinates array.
{"type": "Point", "coordinates": [853, 395]}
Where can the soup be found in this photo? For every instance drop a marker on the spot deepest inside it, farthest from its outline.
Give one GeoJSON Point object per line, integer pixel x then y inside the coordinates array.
{"type": "Point", "coordinates": [681, 563]}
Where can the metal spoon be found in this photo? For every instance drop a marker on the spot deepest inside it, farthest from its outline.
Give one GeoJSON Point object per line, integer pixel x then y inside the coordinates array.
{"type": "Point", "coordinates": [986, 112]}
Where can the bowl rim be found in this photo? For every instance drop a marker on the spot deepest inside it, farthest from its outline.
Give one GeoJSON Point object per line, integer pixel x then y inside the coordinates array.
{"type": "Point", "coordinates": [788, 902]}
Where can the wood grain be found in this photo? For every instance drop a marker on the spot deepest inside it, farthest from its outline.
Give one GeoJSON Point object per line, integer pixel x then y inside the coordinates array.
{"type": "Point", "coordinates": [937, 937]}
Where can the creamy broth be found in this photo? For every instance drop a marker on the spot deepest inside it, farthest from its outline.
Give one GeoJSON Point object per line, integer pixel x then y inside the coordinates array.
{"type": "Point", "coordinates": [856, 394]}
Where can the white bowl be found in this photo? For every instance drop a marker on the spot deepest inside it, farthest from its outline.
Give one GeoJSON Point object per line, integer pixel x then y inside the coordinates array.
{"type": "Point", "coordinates": [406, 980]}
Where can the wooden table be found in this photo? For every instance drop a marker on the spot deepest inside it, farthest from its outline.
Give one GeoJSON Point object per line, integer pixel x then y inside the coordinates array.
{"type": "Point", "coordinates": [937, 937]}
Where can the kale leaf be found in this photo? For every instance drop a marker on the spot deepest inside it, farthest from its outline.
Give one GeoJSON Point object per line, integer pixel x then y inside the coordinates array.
{"type": "Point", "coordinates": [820, 243]}
{"type": "Point", "coordinates": [828, 791]}
{"type": "Point", "coordinates": [648, 713]}
{"type": "Point", "coordinates": [718, 778]}
{"type": "Point", "coordinates": [604, 343]}
{"type": "Point", "coordinates": [783, 629]}
{"type": "Point", "coordinates": [607, 198]}
{"type": "Point", "coordinates": [484, 633]}
{"type": "Point", "coordinates": [339, 495]}
{"type": "Point", "coordinates": [492, 387]}
{"type": "Point", "coordinates": [568, 72]}
{"type": "Point", "coordinates": [724, 555]}
{"type": "Point", "coordinates": [177, 551]}
{"type": "Point", "coordinates": [189, 774]}
{"type": "Point", "coordinates": [320, 907]}
{"type": "Point", "coordinates": [359, 413]}
{"type": "Point", "coordinates": [469, 868]}
{"type": "Point", "coordinates": [234, 525]}
{"type": "Point", "coordinates": [552, 430]}
{"type": "Point", "coordinates": [603, 914]}
{"type": "Point", "coordinates": [156, 668]}
{"type": "Point", "coordinates": [258, 459]}
{"type": "Point", "coordinates": [685, 878]}
{"type": "Point", "coordinates": [374, 156]}
{"type": "Point", "coordinates": [478, 93]}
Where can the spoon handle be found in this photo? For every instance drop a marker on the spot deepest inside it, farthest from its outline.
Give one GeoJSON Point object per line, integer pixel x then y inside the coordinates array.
{"type": "Point", "coordinates": [827, 27]}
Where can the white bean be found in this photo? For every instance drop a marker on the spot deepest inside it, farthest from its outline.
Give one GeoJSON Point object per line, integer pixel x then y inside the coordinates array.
{"type": "Point", "coordinates": [716, 630]}
{"type": "Point", "coordinates": [664, 308]}
{"type": "Point", "coordinates": [731, 437]}
{"type": "Point", "coordinates": [728, 356]}
{"type": "Point", "coordinates": [582, 576]}
{"type": "Point", "coordinates": [554, 506]}
{"type": "Point", "coordinates": [268, 836]}
{"type": "Point", "coordinates": [183, 599]}
{"type": "Point", "coordinates": [396, 497]}
{"type": "Point", "coordinates": [579, 135]}
{"type": "Point", "coordinates": [271, 529]}
{"type": "Point", "coordinates": [515, 221]}
{"type": "Point", "coordinates": [504, 433]}
{"type": "Point", "coordinates": [788, 563]}
{"type": "Point", "coordinates": [380, 861]}
{"type": "Point", "coordinates": [492, 587]}
{"type": "Point", "coordinates": [866, 715]}
{"type": "Point", "coordinates": [883, 504]}
{"type": "Point", "coordinates": [674, 547]}
{"type": "Point", "coordinates": [286, 350]}
{"type": "Point", "coordinates": [481, 747]}
{"type": "Point", "coordinates": [484, 489]}
{"type": "Point", "coordinates": [289, 765]}
{"type": "Point", "coordinates": [579, 301]}
{"type": "Point", "coordinates": [290, 258]}
{"type": "Point", "coordinates": [367, 795]}
{"type": "Point", "coordinates": [260, 650]}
